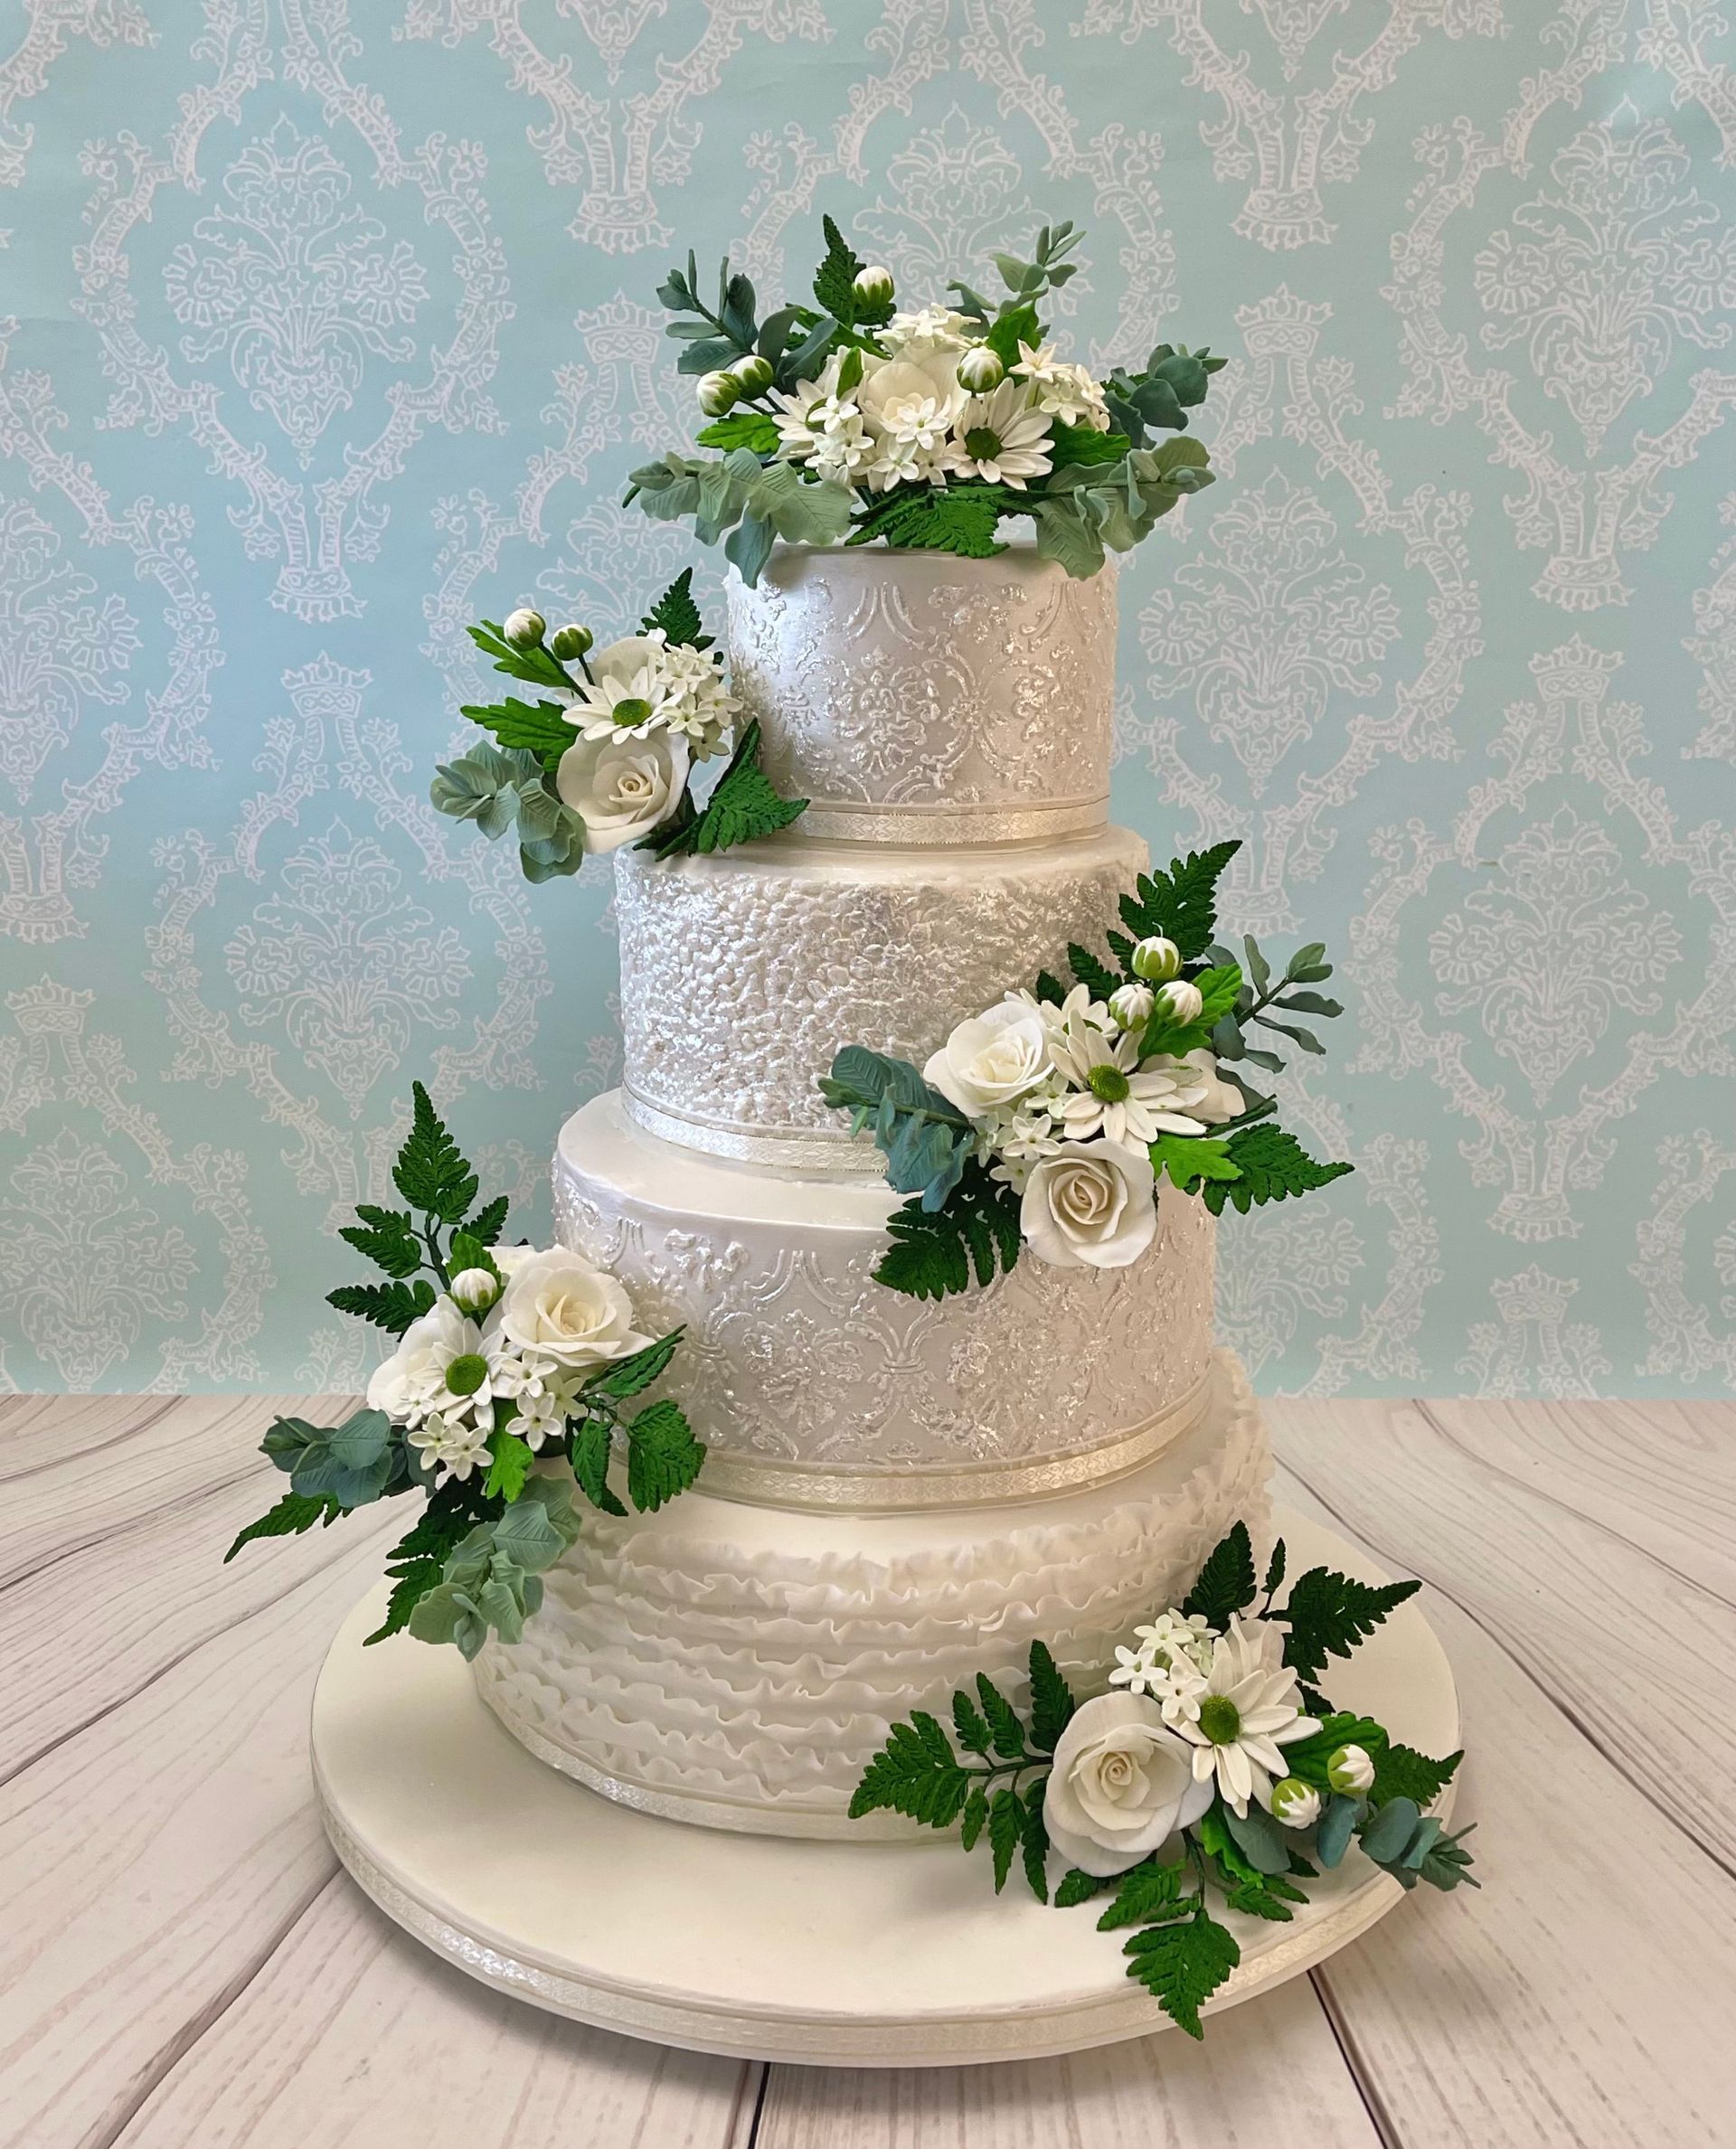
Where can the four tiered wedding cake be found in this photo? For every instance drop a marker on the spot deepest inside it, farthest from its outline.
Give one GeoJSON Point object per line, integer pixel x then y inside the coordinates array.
{"type": "Point", "coordinates": [895, 1493]}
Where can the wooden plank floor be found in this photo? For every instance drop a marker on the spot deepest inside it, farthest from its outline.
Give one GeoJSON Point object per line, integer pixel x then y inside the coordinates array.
{"type": "Point", "coordinates": [183, 1966]}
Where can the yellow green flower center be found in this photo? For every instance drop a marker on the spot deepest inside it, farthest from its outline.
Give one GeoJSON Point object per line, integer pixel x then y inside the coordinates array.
{"type": "Point", "coordinates": [1108, 1084]}
{"type": "Point", "coordinates": [982, 444]}
{"type": "Point", "coordinates": [631, 712]}
{"type": "Point", "coordinates": [1220, 1720]}
{"type": "Point", "coordinates": [466, 1372]}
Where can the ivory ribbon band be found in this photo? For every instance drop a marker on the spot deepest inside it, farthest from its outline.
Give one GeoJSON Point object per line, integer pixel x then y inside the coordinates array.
{"type": "Point", "coordinates": [755, 1480]}
{"type": "Point", "coordinates": [918, 827]}
{"type": "Point", "coordinates": [794, 1149]}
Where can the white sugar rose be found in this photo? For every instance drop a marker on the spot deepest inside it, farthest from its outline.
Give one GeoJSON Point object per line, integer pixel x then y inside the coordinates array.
{"type": "Point", "coordinates": [992, 1060]}
{"type": "Point", "coordinates": [622, 788]}
{"type": "Point", "coordinates": [1121, 1784]}
{"type": "Point", "coordinates": [558, 1305]}
{"type": "Point", "coordinates": [1091, 1207]}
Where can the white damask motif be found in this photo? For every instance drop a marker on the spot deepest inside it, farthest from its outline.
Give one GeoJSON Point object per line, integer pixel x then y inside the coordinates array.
{"type": "Point", "coordinates": [1687, 1337]}
{"type": "Point", "coordinates": [316, 543]}
{"type": "Point", "coordinates": [86, 1265]}
{"type": "Point", "coordinates": [47, 24]}
{"type": "Point", "coordinates": [1267, 623]}
{"type": "Point", "coordinates": [296, 283]}
{"type": "Point", "coordinates": [1548, 954]}
{"type": "Point", "coordinates": [346, 963]}
{"type": "Point", "coordinates": [1290, 148]}
{"type": "Point", "coordinates": [1713, 646]}
{"type": "Point", "coordinates": [1600, 278]}
{"type": "Point", "coordinates": [957, 193]}
{"type": "Point", "coordinates": [1534, 1349]}
{"type": "Point", "coordinates": [57, 649]}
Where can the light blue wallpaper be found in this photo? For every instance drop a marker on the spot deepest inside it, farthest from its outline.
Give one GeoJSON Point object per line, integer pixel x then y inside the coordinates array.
{"type": "Point", "coordinates": [327, 329]}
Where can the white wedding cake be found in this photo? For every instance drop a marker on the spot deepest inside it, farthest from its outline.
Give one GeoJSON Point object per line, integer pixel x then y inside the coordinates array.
{"type": "Point", "coordinates": [897, 1493]}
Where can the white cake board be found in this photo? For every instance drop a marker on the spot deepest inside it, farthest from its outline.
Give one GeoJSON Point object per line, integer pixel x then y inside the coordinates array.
{"type": "Point", "coordinates": [837, 1953]}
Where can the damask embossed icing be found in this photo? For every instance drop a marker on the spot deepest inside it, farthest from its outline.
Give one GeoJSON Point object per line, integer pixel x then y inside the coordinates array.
{"type": "Point", "coordinates": [794, 1354]}
{"type": "Point", "coordinates": [975, 696]}
{"type": "Point", "coordinates": [740, 975]}
{"type": "Point", "coordinates": [740, 1674]}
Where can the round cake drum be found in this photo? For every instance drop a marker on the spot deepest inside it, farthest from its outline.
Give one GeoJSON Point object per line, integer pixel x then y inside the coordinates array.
{"type": "Point", "coordinates": [867, 1955]}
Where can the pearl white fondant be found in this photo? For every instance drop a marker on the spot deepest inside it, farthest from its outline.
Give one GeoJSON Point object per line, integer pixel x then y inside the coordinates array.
{"type": "Point", "coordinates": [742, 973]}
{"type": "Point", "coordinates": [918, 697]}
{"type": "Point", "coordinates": [739, 1665]}
{"type": "Point", "coordinates": [795, 1356]}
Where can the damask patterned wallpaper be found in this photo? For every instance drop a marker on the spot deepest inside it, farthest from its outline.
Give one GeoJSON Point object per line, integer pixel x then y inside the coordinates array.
{"type": "Point", "coordinates": [328, 328]}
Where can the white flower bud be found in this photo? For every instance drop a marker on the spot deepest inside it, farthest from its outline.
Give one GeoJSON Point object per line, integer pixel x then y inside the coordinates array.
{"type": "Point", "coordinates": [717, 392]}
{"type": "Point", "coordinates": [873, 284]}
{"type": "Point", "coordinates": [1131, 1005]}
{"type": "Point", "coordinates": [1181, 1002]}
{"type": "Point", "coordinates": [753, 374]}
{"type": "Point", "coordinates": [1295, 1805]}
{"type": "Point", "coordinates": [980, 370]}
{"type": "Point", "coordinates": [1157, 960]}
{"type": "Point", "coordinates": [1350, 1770]}
{"type": "Point", "coordinates": [525, 628]}
{"type": "Point", "coordinates": [569, 643]}
{"type": "Point", "coordinates": [474, 1290]}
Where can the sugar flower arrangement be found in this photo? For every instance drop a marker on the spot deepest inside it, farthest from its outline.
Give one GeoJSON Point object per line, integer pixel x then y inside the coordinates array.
{"type": "Point", "coordinates": [606, 753]}
{"type": "Point", "coordinates": [1049, 1121]}
{"type": "Point", "coordinates": [507, 1392]}
{"type": "Point", "coordinates": [850, 418]}
{"type": "Point", "coordinates": [1213, 1767]}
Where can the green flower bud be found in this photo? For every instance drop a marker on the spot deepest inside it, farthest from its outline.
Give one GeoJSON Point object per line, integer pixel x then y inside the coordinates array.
{"type": "Point", "coordinates": [1350, 1770]}
{"type": "Point", "coordinates": [717, 392]}
{"type": "Point", "coordinates": [1157, 960]}
{"type": "Point", "coordinates": [1295, 1805]}
{"type": "Point", "coordinates": [474, 1290]}
{"type": "Point", "coordinates": [1131, 1005]}
{"type": "Point", "coordinates": [570, 643]}
{"type": "Point", "coordinates": [980, 370]}
{"type": "Point", "coordinates": [873, 284]}
{"type": "Point", "coordinates": [1181, 1002]}
{"type": "Point", "coordinates": [753, 373]}
{"type": "Point", "coordinates": [525, 628]}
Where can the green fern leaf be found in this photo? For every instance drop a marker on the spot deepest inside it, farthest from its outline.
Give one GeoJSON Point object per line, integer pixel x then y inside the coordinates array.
{"type": "Point", "coordinates": [1181, 904]}
{"type": "Point", "coordinates": [1271, 1166]}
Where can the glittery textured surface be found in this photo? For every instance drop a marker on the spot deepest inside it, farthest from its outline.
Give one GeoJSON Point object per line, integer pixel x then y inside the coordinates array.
{"type": "Point", "coordinates": [741, 974]}
{"type": "Point", "coordinates": [943, 686]}
{"type": "Point", "coordinates": [751, 1662]}
{"type": "Point", "coordinates": [793, 1353]}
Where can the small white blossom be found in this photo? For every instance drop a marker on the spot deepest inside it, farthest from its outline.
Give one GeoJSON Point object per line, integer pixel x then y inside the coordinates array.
{"type": "Point", "coordinates": [451, 1441]}
{"type": "Point", "coordinates": [928, 329]}
{"type": "Point", "coordinates": [1063, 390]}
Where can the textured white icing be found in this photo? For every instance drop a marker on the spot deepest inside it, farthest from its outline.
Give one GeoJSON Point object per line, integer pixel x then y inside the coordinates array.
{"type": "Point", "coordinates": [967, 697]}
{"type": "Point", "coordinates": [742, 973]}
{"type": "Point", "coordinates": [738, 1666]}
{"type": "Point", "coordinates": [793, 1353]}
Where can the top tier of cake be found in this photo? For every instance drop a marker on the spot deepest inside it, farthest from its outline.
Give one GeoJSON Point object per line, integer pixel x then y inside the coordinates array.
{"type": "Point", "coordinates": [917, 698]}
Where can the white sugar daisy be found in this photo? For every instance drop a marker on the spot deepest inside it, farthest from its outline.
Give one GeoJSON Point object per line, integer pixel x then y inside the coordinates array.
{"type": "Point", "coordinates": [1110, 1094]}
{"type": "Point", "coordinates": [1246, 1712]}
{"type": "Point", "coordinates": [1002, 437]}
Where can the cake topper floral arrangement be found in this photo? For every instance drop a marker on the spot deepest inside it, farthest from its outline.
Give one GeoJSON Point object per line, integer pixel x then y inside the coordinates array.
{"type": "Point", "coordinates": [1049, 1121]}
{"type": "Point", "coordinates": [606, 753]}
{"type": "Point", "coordinates": [850, 419]}
{"type": "Point", "coordinates": [1213, 1766]}
{"type": "Point", "coordinates": [507, 1391]}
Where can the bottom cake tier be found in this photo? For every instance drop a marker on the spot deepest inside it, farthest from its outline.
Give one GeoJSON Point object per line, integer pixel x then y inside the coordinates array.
{"type": "Point", "coordinates": [738, 1666]}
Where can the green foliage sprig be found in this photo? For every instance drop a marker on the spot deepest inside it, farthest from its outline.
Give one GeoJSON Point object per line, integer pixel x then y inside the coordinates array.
{"type": "Point", "coordinates": [472, 1562]}
{"type": "Point", "coordinates": [1103, 492]}
{"type": "Point", "coordinates": [987, 1776]}
{"type": "Point", "coordinates": [509, 783]}
{"type": "Point", "coordinates": [963, 1225]}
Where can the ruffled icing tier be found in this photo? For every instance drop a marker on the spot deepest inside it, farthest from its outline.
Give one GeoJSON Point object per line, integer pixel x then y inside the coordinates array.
{"type": "Point", "coordinates": [738, 1666]}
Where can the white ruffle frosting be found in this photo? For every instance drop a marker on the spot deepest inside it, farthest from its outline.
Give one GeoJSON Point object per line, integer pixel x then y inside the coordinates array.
{"type": "Point", "coordinates": [738, 1666]}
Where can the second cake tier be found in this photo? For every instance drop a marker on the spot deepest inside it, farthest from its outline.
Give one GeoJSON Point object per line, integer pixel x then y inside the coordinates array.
{"type": "Point", "coordinates": [743, 972]}
{"type": "Point", "coordinates": [814, 1385]}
